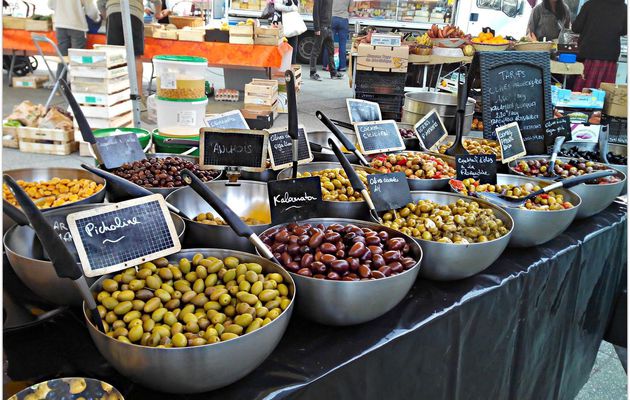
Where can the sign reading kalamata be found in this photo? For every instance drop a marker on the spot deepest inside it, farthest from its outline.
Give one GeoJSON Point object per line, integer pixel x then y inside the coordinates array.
{"type": "Point", "coordinates": [295, 199]}
{"type": "Point", "coordinates": [220, 148]}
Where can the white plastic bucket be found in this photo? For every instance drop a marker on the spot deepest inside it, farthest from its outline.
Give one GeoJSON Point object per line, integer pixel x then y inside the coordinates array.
{"type": "Point", "coordinates": [180, 117]}
{"type": "Point", "coordinates": [180, 77]}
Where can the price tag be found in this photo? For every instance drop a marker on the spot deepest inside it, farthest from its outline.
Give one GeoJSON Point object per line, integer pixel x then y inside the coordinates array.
{"type": "Point", "coordinates": [117, 149]}
{"type": "Point", "coordinates": [554, 128]}
{"type": "Point", "coordinates": [481, 167]}
{"type": "Point", "coordinates": [281, 148]}
{"type": "Point", "coordinates": [168, 81]}
{"type": "Point", "coordinates": [389, 191]}
{"type": "Point", "coordinates": [219, 148]}
{"type": "Point", "coordinates": [378, 136]}
{"type": "Point", "coordinates": [363, 111]}
{"type": "Point", "coordinates": [122, 235]}
{"type": "Point", "coordinates": [511, 142]}
{"type": "Point", "coordinates": [430, 130]}
{"type": "Point", "coordinates": [295, 199]}
{"type": "Point", "coordinates": [229, 120]}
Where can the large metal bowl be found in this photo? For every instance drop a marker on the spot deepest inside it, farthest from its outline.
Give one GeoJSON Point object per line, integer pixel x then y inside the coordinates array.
{"type": "Point", "coordinates": [246, 199]}
{"type": "Point", "coordinates": [335, 209]}
{"type": "Point", "coordinates": [595, 198]}
{"type": "Point", "coordinates": [200, 368]}
{"type": "Point", "coordinates": [448, 261]}
{"type": "Point", "coordinates": [342, 303]}
{"type": "Point", "coordinates": [532, 227]}
{"type": "Point", "coordinates": [620, 149]}
{"type": "Point", "coordinates": [419, 104]}
{"type": "Point", "coordinates": [430, 184]}
{"type": "Point", "coordinates": [32, 266]}
{"type": "Point", "coordinates": [45, 174]}
{"type": "Point", "coordinates": [321, 138]}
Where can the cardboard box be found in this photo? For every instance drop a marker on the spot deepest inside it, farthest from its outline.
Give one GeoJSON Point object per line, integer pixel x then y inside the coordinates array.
{"type": "Point", "coordinates": [383, 59]}
{"type": "Point", "coordinates": [191, 35]}
{"type": "Point", "coordinates": [587, 99]}
{"type": "Point", "coordinates": [579, 115]}
{"type": "Point", "coordinates": [30, 81]}
{"type": "Point", "coordinates": [385, 39]}
{"type": "Point", "coordinates": [616, 101]}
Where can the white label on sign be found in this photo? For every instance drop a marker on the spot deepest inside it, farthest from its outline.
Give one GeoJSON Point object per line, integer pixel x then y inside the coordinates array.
{"type": "Point", "coordinates": [187, 118]}
{"type": "Point", "coordinates": [168, 81]}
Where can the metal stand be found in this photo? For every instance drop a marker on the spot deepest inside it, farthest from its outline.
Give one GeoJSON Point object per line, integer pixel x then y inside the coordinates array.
{"type": "Point", "coordinates": [53, 77]}
{"type": "Point", "coordinates": [131, 61]}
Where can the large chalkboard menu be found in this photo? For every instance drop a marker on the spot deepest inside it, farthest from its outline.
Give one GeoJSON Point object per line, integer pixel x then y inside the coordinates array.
{"type": "Point", "coordinates": [516, 88]}
{"type": "Point", "coordinates": [243, 148]}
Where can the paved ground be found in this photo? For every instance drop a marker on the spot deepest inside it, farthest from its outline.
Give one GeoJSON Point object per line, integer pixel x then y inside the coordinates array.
{"type": "Point", "coordinates": [608, 380]}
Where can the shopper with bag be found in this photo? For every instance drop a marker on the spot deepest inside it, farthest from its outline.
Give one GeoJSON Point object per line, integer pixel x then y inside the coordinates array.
{"type": "Point", "coordinates": [548, 19]}
{"type": "Point", "coordinates": [322, 20]}
{"type": "Point", "coordinates": [340, 28]}
{"type": "Point", "coordinates": [286, 12]}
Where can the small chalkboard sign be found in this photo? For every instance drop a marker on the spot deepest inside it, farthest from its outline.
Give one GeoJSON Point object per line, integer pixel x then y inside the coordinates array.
{"type": "Point", "coordinates": [481, 167]}
{"type": "Point", "coordinates": [115, 150]}
{"type": "Point", "coordinates": [363, 111]}
{"type": "Point", "coordinates": [389, 191]}
{"type": "Point", "coordinates": [281, 148]}
{"type": "Point", "coordinates": [123, 235]}
{"type": "Point", "coordinates": [378, 136]}
{"type": "Point", "coordinates": [295, 199]}
{"type": "Point", "coordinates": [430, 130]}
{"type": "Point", "coordinates": [219, 148]}
{"type": "Point", "coordinates": [229, 120]}
{"type": "Point", "coordinates": [511, 142]}
{"type": "Point", "coordinates": [554, 128]}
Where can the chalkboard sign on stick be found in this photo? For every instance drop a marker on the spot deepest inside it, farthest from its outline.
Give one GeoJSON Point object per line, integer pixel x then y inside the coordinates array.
{"type": "Point", "coordinates": [281, 148]}
{"type": "Point", "coordinates": [511, 142]}
{"type": "Point", "coordinates": [389, 191]}
{"type": "Point", "coordinates": [378, 136]}
{"type": "Point", "coordinates": [123, 235]}
{"type": "Point", "coordinates": [554, 128]}
{"type": "Point", "coordinates": [430, 130]}
{"type": "Point", "coordinates": [363, 111]}
{"type": "Point", "coordinates": [219, 148]}
{"type": "Point", "coordinates": [115, 150]}
{"type": "Point", "coordinates": [229, 120]}
{"type": "Point", "coordinates": [481, 167]}
{"type": "Point", "coordinates": [295, 199]}
{"type": "Point", "coordinates": [515, 87]}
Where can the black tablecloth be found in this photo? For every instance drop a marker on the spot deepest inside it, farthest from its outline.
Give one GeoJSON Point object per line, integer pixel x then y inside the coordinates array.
{"type": "Point", "coordinates": [526, 328]}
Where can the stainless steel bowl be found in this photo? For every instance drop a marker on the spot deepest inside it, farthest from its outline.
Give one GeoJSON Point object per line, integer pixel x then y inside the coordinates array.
{"type": "Point", "coordinates": [25, 254]}
{"type": "Point", "coordinates": [321, 138]}
{"type": "Point", "coordinates": [595, 198]}
{"type": "Point", "coordinates": [620, 149]}
{"type": "Point", "coordinates": [342, 303]}
{"type": "Point", "coordinates": [335, 209]}
{"type": "Point", "coordinates": [449, 262]}
{"type": "Point", "coordinates": [430, 184]}
{"type": "Point", "coordinates": [114, 194]}
{"type": "Point", "coordinates": [419, 104]}
{"type": "Point", "coordinates": [264, 176]}
{"type": "Point", "coordinates": [247, 199]}
{"type": "Point", "coordinates": [46, 174]}
{"type": "Point", "coordinates": [200, 368]}
{"type": "Point", "coordinates": [532, 227]}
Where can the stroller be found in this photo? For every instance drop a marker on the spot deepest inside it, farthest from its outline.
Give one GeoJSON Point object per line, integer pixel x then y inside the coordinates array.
{"type": "Point", "coordinates": [22, 65]}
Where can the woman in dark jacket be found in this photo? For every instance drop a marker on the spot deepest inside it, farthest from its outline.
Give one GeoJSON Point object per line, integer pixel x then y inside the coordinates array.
{"type": "Point", "coordinates": [600, 23]}
{"type": "Point", "coordinates": [547, 20]}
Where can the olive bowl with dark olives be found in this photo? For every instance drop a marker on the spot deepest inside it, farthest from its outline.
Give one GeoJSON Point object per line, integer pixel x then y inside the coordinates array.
{"type": "Point", "coordinates": [369, 272]}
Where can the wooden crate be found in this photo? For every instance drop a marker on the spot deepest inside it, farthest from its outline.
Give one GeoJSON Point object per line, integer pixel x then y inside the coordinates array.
{"type": "Point", "coordinates": [191, 35]}
{"type": "Point", "coordinates": [9, 22]}
{"type": "Point", "coordinates": [263, 107]}
{"type": "Point", "coordinates": [165, 34]}
{"type": "Point", "coordinates": [95, 111]}
{"type": "Point", "coordinates": [100, 56]}
{"type": "Point", "coordinates": [268, 35]}
{"type": "Point", "coordinates": [46, 141]}
{"type": "Point", "coordinates": [181, 22]}
{"type": "Point", "coordinates": [121, 121]}
{"type": "Point", "coordinates": [101, 99]}
{"type": "Point", "coordinates": [81, 71]}
{"type": "Point", "coordinates": [242, 34]}
{"type": "Point", "coordinates": [261, 92]}
{"type": "Point", "coordinates": [29, 81]}
{"type": "Point", "coordinates": [38, 25]}
{"type": "Point", "coordinates": [10, 137]}
{"type": "Point", "coordinates": [99, 86]}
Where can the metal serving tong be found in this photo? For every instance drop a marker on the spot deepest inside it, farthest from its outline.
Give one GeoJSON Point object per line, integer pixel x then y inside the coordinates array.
{"type": "Point", "coordinates": [460, 116]}
{"type": "Point", "coordinates": [293, 118]}
{"type": "Point", "coordinates": [557, 146]}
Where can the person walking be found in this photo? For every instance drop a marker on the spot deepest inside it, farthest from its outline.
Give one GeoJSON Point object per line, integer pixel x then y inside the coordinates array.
{"type": "Point", "coordinates": [601, 24]}
{"type": "Point", "coordinates": [70, 23]}
{"type": "Point", "coordinates": [282, 7]}
{"type": "Point", "coordinates": [340, 28]}
{"type": "Point", "coordinates": [547, 20]}
{"type": "Point", "coordinates": [322, 19]}
{"type": "Point", "coordinates": [115, 35]}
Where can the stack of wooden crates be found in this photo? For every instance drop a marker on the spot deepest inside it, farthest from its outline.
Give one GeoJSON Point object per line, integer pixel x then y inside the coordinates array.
{"type": "Point", "coordinates": [261, 95]}
{"type": "Point", "coordinates": [100, 83]}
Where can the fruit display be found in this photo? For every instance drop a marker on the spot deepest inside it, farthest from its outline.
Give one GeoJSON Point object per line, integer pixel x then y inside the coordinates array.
{"type": "Point", "coordinates": [161, 172]}
{"type": "Point", "coordinates": [69, 388]}
{"type": "Point", "coordinates": [339, 252]}
{"type": "Point", "coordinates": [551, 201]}
{"type": "Point", "coordinates": [210, 219]}
{"type": "Point", "coordinates": [573, 167]}
{"type": "Point", "coordinates": [406, 133]}
{"type": "Point", "coordinates": [489, 38]}
{"type": "Point", "coordinates": [446, 32]}
{"type": "Point", "coordinates": [462, 222]}
{"type": "Point", "coordinates": [336, 185]}
{"type": "Point", "coordinates": [424, 40]}
{"type": "Point", "coordinates": [477, 124]}
{"type": "Point", "coordinates": [55, 192]}
{"type": "Point", "coordinates": [414, 165]}
{"type": "Point", "coordinates": [575, 152]}
{"type": "Point", "coordinates": [195, 302]}
{"type": "Point", "coordinates": [476, 146]}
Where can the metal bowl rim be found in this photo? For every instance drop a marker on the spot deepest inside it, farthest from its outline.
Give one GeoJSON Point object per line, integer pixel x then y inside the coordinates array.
{"type": "Point", "coordinates": [511, 165]}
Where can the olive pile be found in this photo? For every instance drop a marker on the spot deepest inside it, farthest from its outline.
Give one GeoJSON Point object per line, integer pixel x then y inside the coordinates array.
{"type": "Point", "coordinates": [551, 201]}
{"type": "Point", "coordinates": [161, 172]}
{"type": "Point", "coordinates": [336, 185]}
{"type": "Point", "coordinates": [406, 133]}
{"type": "Point", "coordinates": [414, 165]}
{"type": "Point", "coordinates": [477, 146]}
{"type": "Point", "coordinates": [338, 252]}
{"type": "Point", "coordinates": [462, 222]}
{"type": "Point", "coordinates": [573, 167]}
{"type": "Point", "coordinates": [69, 388]}
{"type": "Point", "coordinates": [210, 219]}
{"type": "Point", "coordinates": [203, 301]}
{"type": "Point", "coordinates": [55, 192]}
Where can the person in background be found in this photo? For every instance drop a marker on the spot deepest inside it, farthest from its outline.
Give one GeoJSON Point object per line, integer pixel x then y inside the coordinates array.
{"type": "Point", "coordinates": [340, 29]}
{"type": "Point", "coordinates": [547, 20]}
{"type": "Point", "coordinates": [70, 24]}
{"type": "Point", "coordinates": [281, 7]}
{"type": "Point", "coordinates": [115, 35]}
{"type": "Point", "coordinates": [322, 20]}
{"type": "Point", "coordinates": [601, 24]}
